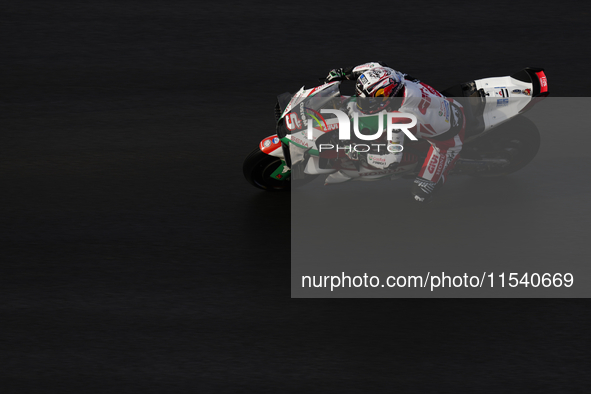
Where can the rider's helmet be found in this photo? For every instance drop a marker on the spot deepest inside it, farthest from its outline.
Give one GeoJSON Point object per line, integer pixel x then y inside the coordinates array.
{"type": "Point", "coordinates": [376, 87]}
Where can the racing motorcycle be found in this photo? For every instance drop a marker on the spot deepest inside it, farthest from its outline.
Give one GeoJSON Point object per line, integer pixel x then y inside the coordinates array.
{"type": "Point", "coordinates": [498, 139]}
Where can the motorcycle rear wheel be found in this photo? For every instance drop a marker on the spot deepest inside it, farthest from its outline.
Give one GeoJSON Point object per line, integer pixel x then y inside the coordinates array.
{"type": "Point", "coordinates": [520, 139]}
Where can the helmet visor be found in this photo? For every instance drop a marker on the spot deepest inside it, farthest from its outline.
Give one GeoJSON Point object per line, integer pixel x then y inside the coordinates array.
{"type": "Point", "coordinates": [372, 104]}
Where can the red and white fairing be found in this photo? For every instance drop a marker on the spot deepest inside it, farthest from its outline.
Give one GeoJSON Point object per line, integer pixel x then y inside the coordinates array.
{"type": "Point", "coordinates": [367, 66]}
{"type": "Point", "coordinates": [506, 97]}
{"type": "Point", "coordinates": [436, 115]}
{"type": "Point", "coordinates": [271, 146]}
{"type": "Point", "coordinates": [330, 89]}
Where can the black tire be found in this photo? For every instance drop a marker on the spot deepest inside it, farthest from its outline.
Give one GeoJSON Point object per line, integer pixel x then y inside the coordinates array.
{"type": "Point", "coordinates": [519, 141]}
{"type": "Point", "coordinates": [259, 166]}
{"type": "Point", "coordinates": [257, 169]}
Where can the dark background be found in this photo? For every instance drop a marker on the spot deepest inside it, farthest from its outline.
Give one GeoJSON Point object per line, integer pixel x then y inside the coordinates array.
{"type": "Point", "coordinates": [135, 258]}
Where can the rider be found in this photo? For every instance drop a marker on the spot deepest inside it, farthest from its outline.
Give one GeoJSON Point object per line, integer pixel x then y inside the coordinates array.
{"type": "Point", "coordinates": [440, 120]}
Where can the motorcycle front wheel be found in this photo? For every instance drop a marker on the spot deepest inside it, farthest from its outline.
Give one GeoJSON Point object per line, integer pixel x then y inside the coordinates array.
{"type": "Point", "coordinates": [259, 166]}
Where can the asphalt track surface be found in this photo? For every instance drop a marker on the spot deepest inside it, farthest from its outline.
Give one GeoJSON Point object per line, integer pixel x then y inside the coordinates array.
{"type": "Point", "coordinates": [135, 258]}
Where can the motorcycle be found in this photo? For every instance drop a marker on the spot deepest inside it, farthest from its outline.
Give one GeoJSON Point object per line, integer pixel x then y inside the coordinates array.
{"type": "Point", "coordinates": [498, 139]}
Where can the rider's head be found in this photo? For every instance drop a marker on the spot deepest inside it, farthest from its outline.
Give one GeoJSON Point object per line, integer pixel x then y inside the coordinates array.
{"type": "Point", "coordinates": [376, 87]}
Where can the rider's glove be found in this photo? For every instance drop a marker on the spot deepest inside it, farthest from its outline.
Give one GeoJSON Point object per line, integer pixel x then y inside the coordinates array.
{"type": "Point", "coordinates": [337, 74]}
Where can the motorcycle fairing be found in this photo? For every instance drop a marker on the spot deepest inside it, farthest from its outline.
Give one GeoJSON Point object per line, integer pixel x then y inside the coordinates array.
{"type": "Point", "coordinates": [271, 146]}
{"type": "Point", "coordinates": [492, 102]}
{"type": "Point", "coordinates": [328, 90]}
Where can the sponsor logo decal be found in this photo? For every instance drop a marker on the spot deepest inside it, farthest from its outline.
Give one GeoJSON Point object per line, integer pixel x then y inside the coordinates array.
{"type": "Point", "coordinates": [433, 164]}
{"type": "Point", "coordinates": [502, 102]}
{"type": "Point", "coordinates": [329, 125]}
{"type": "Point", "coordinates": [293, 122]}
{"type": "Point", "coordinates": [275, 140]}
{"type": "Point", "coordinates": [501, 91]}
{"type": "Point", "coordinates": [430, 89]}
{"type": "Point", "coordinates": [527, 92]}
{"type": "Point", "coordinates": [304, 120]}
{"type": "Point", "coordinates": [299, 141]}
{"type": "Point", "coordinates": [379, 160]}
{"type": "Point", "coordinates": [374, 173]}
{"type": "Point", "coordinates": [543, 81]}
{"type": "Point", "coordinates": [444, 110]}
{"type": "Point", "coordinates": [306, 114]}
{"type": "Point", "coordinates": [366, 65]}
